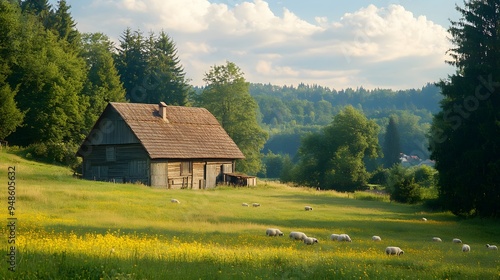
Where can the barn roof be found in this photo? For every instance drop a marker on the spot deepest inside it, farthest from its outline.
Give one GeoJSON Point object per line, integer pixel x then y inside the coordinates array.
{"type": "Point", "coordinates": [183, 132]}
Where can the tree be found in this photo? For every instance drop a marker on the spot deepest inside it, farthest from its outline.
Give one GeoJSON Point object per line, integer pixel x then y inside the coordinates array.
{"type": "Point", "coordinates": [227, 97]}
{"type": "Point", "coordinates": [64, 26]}
{"type": "Point", "coordinates": [392, 147]}
{"type": "Point", "coordinates": [103, 83]}
{"type": "Point", "coordinates": [166, 77]}
{"type": "Point", "coordinates": [150, 69]}
{"type": "Point", "coordinates": [131, 65]}
{"type": "Point", "coordinates": [333, 158]}
{"type": "Point", "coordinates": [10, 115]}
{"type": "Point", "coordinates": [49, 80]}
{"type": "Point", "coordinates": [465, 134]}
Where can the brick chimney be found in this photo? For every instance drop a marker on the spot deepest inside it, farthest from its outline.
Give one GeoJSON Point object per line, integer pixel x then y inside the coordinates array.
{"type": "Point", "coordinates": [163, 111]}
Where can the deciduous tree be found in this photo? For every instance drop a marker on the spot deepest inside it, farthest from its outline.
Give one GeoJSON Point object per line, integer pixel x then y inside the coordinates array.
{"type": "Point", "coordinates": [227, 97]}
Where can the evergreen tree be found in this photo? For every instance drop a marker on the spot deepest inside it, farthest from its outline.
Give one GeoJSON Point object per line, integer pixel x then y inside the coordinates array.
{"type": "Point", "coordinates": [64, 25]}
{"type": "Point", "coordinates": [103, 83]}
{"type": "Point", "coordinates": [227, 97]}
{"type": "Point", "coordinates": [165, 73]}
{"type": "Point", "coordinates": [41, 9]}
{"type": "Point", "coordinates": [131, 65]}
{"type": "Point", "coordinates": [392, 147]}
{"type": "Point", "coordinates": [466, 132]}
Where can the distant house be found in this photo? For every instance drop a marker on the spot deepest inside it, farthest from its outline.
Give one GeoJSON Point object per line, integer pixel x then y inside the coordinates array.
{"type": "Point", "coordinates": [158, 145]}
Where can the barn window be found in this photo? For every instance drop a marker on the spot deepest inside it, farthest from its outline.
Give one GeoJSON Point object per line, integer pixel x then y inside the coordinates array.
{"type": "Point", "coordinates": [137, 168]}
{"type": "Point", "coordinates": [110, 154]}
{"type": "Point", "coordinates": [186, 167]}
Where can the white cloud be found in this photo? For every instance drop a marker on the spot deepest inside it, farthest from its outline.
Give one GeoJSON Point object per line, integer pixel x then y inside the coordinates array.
{"type": "Point", "coordinates": [284, 48]}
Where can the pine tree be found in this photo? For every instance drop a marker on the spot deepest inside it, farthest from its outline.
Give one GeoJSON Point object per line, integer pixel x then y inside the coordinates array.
{"type": "Point", "coordinates": [392, 146]}
{"type": "Point", "coordinates": [64, 25]}
{"type": "Point", "coordinates": [131, 65]}
{"type": "Point", "coordinates": [466, 132]}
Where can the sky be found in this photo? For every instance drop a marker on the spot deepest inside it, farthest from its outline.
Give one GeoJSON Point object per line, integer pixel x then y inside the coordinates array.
{"type": "Point", "coordinates": [337, 44]}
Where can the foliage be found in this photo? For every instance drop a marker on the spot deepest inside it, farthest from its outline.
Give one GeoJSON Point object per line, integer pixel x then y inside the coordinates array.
{"type": "Point", "coordinates": [379, 176]}
{"type": "Point", "coordinates": [392, 147]}
{"type": "Point", "coordinates": [406, 191]}
{"type": "Point", "coordinates": [150, 69]}
{"type": "Point", "coordinates": [333, 159]}
{"type": "Point", "coordinates": [465, 133]}
{"type": "Point", "coordinates": [425, 176]}
{"type": "Point", "coordinates": [58, 153]}
{"type": "Point", "coordinates": [226, 96]}
{"type": "Point", "coordinates": [10, 116]}
{"type": "Point", "coordinates": [103, 83]}
{"type": "Point", "coordinates": [48, 79]}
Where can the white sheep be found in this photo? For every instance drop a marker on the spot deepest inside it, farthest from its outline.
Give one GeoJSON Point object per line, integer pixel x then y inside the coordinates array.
{"type": "Point", "coordinates": [244, 204]}
{"type": "Point", "coordinates": [173, 200]}
{"type": "Point", "coordinates": [344, 237]}
{"type": "Point", "coordinates": [391, 250]}
{"type": "Point", "coordinates": [424, 219]}
{"type": "Point", "coordinates": [334, 237]}
{"type": "Point", "coordinates": [376, 238]}
{"type": "Point", "coordinates": [308, 208]}
{"type": "Point", "coordinates": [456, 240]}
{"type": "Point", "coordinates": [255, 204]}
{"type": "Point", "coordinates": [273, 232]}
{"type": "Point", "coordinates": [310, 240]}
{"type": "Point", "coordinates": [465, 248]}
{"type": "Point", "coordinates": [297, 235]}
{"type": "Point", "coordinates": [437, 239]}
{"type": "Point", "coordinates": [491, 247]}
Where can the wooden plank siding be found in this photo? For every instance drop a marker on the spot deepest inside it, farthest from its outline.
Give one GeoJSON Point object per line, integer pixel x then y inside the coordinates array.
{"type": "Point", "coordinates": [130, 164]}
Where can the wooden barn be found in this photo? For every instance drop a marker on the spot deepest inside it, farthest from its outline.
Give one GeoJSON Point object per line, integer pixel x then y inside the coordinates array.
{"type": "Point", "coordinates": [158, 145]}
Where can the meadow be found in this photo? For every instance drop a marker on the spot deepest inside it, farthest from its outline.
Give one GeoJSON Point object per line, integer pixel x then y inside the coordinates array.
{"type": "Point", "coordinates": [75, 229]}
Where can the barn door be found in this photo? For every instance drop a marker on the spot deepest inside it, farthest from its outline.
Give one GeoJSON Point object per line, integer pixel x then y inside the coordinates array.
{"type": "Point", "coordinates": [159, 174]}
{"type": "Point", "coordinates": [211, 175]}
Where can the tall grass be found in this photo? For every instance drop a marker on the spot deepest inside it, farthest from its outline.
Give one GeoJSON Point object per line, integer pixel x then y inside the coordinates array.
{"type": "Point", "coordinates": [76, 229]}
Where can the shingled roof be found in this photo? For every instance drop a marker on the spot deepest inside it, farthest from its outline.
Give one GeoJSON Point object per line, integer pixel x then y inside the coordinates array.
{"type": "Point", "coordinates": [183, 132]}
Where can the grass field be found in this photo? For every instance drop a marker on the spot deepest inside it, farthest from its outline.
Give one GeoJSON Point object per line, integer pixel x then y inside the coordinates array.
{"type": "Point", "coordinates": [74, 229]}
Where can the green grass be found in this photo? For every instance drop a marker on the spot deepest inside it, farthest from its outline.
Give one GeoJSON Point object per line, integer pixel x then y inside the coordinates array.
{"type": "Point", "coordinates": [77, 229]}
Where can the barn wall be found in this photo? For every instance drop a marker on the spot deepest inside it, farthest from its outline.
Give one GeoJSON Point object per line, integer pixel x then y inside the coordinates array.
{"type": "Point", "coordinates": [111, 130]}
{"type": "Point", "coordinates": [129, 164]}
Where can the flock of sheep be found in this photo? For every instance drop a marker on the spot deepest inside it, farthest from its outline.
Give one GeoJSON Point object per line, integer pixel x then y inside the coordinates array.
{"type": "Point", "coordinates": [390, 250]}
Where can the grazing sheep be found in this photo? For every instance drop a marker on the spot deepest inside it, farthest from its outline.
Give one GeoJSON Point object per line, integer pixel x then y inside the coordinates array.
{"type": "Point", "coordinates": [273, 232]}
{"type": "Point", "coordinates": [424, 219]}
{"type": "Point", "coordinates": [173, 200]}
{"type": "Point", "coordinates": [334, 237]}
{"type": "Point", "coordinates": [308, 208]}
{"type": "Point", "coordinates": [376, 238]}
{"type": "Point", "coordinates": [437, 239]}
{"type": "Point", "coordinates": [456, 240]}
{"type": "Point", "coordinates": [297, 235]}
{"type": "Point", "coordinates": [310, 240]}
{"type": "Point", "coordinates": [244, 204]}
{"type": "Point", "coordinates": [465, 248]}
{"type": "Point", "coordinates": [394, 251]}
{"type": "Point", "coordinates": [491, 247]}
{"type": "Point", "coordinates": [344, 237]}
{"type": "Point", "coordinates": [255, 204]}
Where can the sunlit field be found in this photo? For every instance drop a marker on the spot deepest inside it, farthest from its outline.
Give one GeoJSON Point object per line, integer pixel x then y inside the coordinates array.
{"type": "Point", "coordinates": [75, 229]}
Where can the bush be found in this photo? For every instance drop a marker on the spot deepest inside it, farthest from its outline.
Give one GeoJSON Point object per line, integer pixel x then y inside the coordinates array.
{"type": "Point", "coordinates": [59, 153]}
{"type": "Point", "coordinates": [407, 191]}
{"type": "Point", "coordinates": [425, 176]}
{"type": "Point", "coordinates": [379, 176]}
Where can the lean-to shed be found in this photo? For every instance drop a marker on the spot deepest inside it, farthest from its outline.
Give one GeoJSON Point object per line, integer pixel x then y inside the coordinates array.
{"type": "Point", "coordinates": [158, 145]}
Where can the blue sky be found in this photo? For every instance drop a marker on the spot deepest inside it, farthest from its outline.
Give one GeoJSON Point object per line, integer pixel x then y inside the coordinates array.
{"type": "Point", "coordinates": [339, 44]}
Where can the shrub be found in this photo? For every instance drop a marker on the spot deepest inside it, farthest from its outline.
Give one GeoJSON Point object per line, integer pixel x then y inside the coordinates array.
{"type": "Point", "coordinates": [60, 153]}
{"type": "Point", "coordinates": [379, 176]}
{"type": "Point", "coordinates": [407, 191]}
